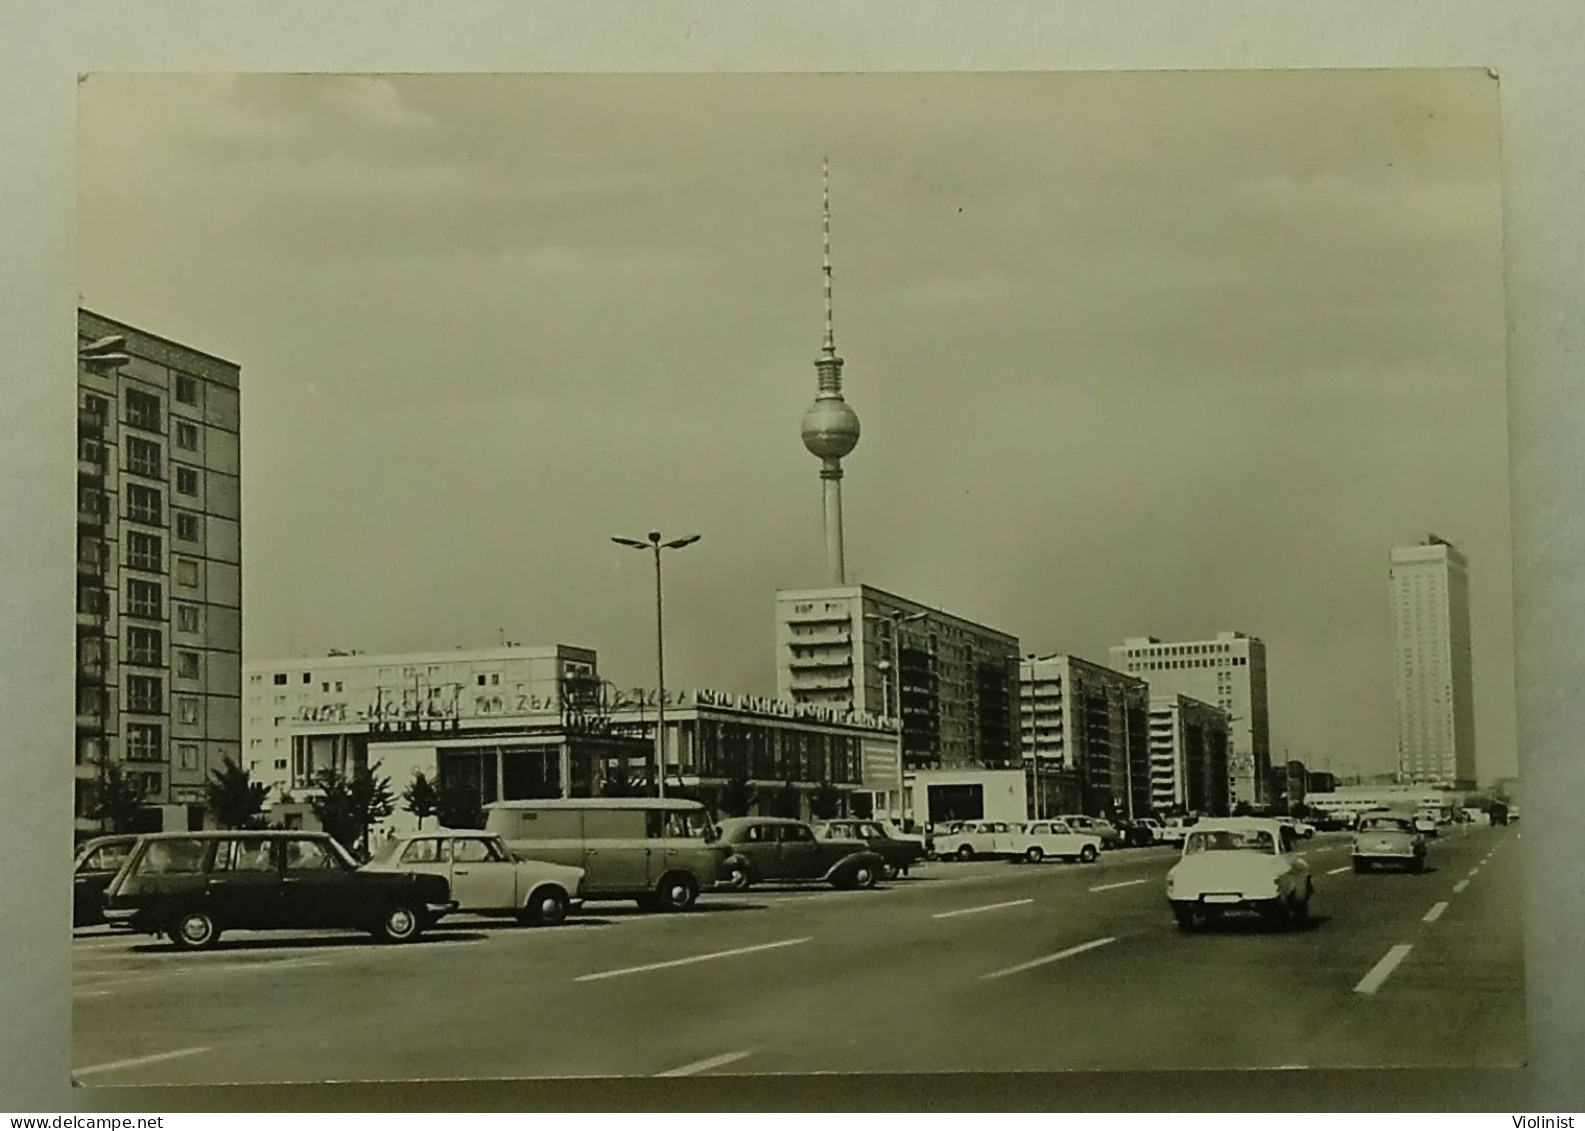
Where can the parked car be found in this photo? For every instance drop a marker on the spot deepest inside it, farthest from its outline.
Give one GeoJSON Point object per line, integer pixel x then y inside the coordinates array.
{"type": "Point", "coordinates": [659, 851]}
{"type": "Point", "coordinates": [1175, 831]}
{"type": "Point", "coordinates": [194, 886]}
{"type": "Point", "coordinates": [779, 850]}
{"type": "Point", "coordinates": [485, 877]}
{"type": "Point", "coordinates": [1425, 823]}
{"type": "Point", "coordinates": [1383, 838]}
{"type": "Point", "coordinates": [96, 864]}
{"type": "Point", "coordinates": [964, 840]}
{"type": "Point", "coordinates": [1301, 829]}
{"type": "Point", "coordinates": [1233, 864]}
{"type": "Point", "coordinates": [896, 853]}
{"type": "Point", "coordinates": [1100, 827]}
{"type": "Point", "coordinates": [1039, 839]}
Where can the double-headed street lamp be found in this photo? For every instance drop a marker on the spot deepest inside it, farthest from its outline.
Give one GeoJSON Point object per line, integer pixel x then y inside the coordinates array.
{"type": "Point", "coordinates": [655, 545]}
{"type": "Point", "coordinates": [897, 620]}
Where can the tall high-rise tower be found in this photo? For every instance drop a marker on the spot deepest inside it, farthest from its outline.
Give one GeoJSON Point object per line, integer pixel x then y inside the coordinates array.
{"type": "Point", "coordinates": [1432, 664]}
{"type": "Point", "coordinates": [830, 426]}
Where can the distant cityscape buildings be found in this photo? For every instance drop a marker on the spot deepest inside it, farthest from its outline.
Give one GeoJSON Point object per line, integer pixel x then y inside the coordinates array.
{"type": "Point", "coordinates": [159, 590]}
{"type": "Point", "coordinates": [1086, 737]}
{"type": "Point", "coordinates": [1188, 756]}
{"type": "Point", "coordinates": [1432, 664]}
{"type": "Point", "coordinates": [1227, 671]}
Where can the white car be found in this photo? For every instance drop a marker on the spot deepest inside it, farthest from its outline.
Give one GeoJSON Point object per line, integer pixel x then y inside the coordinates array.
{"type": "Point", "coordinates": [967, 839]}
{"type": "Point", "coordinates": [1235, 864]}
{"type": "Point", "coordinates": [1039, 839]}
{"type": "Point", "coordinates": [485, 877]}
{"type": "Point", "coordinates": [1304, 831]}
{"type": "Point", "coordinates": [1173, 832]}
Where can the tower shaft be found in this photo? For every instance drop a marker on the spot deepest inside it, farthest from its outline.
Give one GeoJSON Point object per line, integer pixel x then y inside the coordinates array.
{"type": "Point", "coordinates": [831, 491]}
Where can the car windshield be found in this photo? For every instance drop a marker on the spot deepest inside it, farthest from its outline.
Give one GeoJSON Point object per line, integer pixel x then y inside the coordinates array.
{"type": "Point", "coordinates": [1230, 840]}
{"type": "Point", "coordinates": [387, 851]}
{"type": "Point", "coordinates": [1384, 825]}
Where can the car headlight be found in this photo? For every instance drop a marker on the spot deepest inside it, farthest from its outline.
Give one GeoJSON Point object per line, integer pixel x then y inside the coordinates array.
{"type": "Point", "coordinates": [1170, 883]}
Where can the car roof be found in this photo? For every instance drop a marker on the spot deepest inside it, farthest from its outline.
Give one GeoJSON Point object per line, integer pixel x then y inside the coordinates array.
{"type": "Point", "coordinates": [414, 834]}
{"type": "Point", "coordinates": [678, 803]}
{"type": "Point", "coordinates": [1212, 824]}
{"type": "Point", "coordinates": [733, 822]}
{"type": "Point", "coordinates": [100, 841]}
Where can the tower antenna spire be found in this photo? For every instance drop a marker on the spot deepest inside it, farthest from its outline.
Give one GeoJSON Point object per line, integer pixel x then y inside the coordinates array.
{"type": "Point", "coordinates": [830, 346]}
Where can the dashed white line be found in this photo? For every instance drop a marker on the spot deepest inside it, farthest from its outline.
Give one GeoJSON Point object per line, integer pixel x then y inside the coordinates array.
{"type": "Point", "coordinates": [137, 1061]}
{"type": "Point", "coordinates": [1435, 913]}
{"type": "Point", "coordinates": [1475, 871]}
{"type": "Point", "coordinates": [985, 907]}
{"type": "Point", "coordinates": [1460, 886]}
{"type": "Point", "coordinates": [1335, 871]}
{"type": "Point", "coordinates": [1380, 972]}
{"type": "Point", "coordinates": [708, 1063]}
{"type": "Point", "coordinates": [689, 961]}
{"type": "Point", "coordinates": [1122, 884]}
{"type": "Point", "coordinates": [1059, 956]}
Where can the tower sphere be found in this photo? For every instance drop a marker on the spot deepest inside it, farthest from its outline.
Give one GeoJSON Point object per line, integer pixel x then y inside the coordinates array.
{"type": "Point", "coordinates": [830, 428]}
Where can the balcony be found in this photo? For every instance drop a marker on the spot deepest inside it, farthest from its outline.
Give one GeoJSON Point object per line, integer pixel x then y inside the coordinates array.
{"type": "Point", "coordinates": [90, 423]}
{"type": "Point", "coordinates": [823, 683]}
{"type": "Point", "coordinates": [805, 663]}
{"type": "Point", "coordinates": [835, 634]}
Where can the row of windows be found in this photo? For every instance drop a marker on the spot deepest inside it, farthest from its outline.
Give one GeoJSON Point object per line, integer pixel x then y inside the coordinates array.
{"type": "Point", "coordinates": [1173, 665]}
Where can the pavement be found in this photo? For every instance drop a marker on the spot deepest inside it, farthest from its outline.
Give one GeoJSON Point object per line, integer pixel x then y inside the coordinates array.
{"type": "Point", "coordinates": [981, 966]}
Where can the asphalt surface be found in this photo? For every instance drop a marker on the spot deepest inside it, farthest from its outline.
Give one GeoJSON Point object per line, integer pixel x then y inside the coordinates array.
{"type": "Point", "coordinates": [963, 967]}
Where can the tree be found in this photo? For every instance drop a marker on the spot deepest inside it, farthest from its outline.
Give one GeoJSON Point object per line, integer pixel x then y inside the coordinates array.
{"type": "Point", "coordinates": [348, 807]}
{"type": "Point", "coordinates": [737, 797]}
{"type": "Point", "coordinates": [457, 805]}
{"type": "Point", "coordinates": [420, 798]}
{"type": "Point", "coordinates": [824, 802]}
{"type": "Point", "coordinates": [235, 800]}
{"type": "Point", "coordinates": [116, 802]}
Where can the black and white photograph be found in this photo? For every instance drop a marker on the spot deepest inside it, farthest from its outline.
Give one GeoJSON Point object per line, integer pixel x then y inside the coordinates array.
{"type": "Point", "coordinates": [633, 575]}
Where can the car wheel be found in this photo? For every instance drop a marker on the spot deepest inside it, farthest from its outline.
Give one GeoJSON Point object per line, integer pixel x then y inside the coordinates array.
{"type": "Point", "coordinates": [1299, 912]}
{"type": "Point", "coordinates": [737, 878]}
{"type": "Point", "coordinates": [1088, 854]}
{"type": "Point", "coordinates": [1186, 917]}
{"type": "Point", "coordinates": [1361, 865]}
{"type": "Point", "coordinates": [194, 929]}
{"type": "Point", "coordinates": [547, 907]}
{"type": "Point", "coordinates": [1417, 864]}
{"type": "Point", "coordinates": [1035, 854]}
{"type": "Point", "coordinates": [965, 853]}
{"type": "Point", "coordinates": [676, 892]}
{"type": "Point", "coordinates": [399, 923]}
{"type": "Point", "coordinates": [863, 876]}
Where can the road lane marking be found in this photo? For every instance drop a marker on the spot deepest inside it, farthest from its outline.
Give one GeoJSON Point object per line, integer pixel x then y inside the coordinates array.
{"type": "Point", "coordinates": [986, 907]}
{"type": "Point", "coordinates": [708, 1063]}
{"type": "Point", "coordinates": [1460, 886]}
{"type": "Point", "coordinates": [1059, 956]}
{"type": "Point", "coordinates": [137, 1061]}
{"type": "Point", "coordinates": [1475, 871]}
{"type": "Point", "coordinates": [1380, 972]}
{"type": "Point", "coordinates": [1335, 871]}
{"type": "Point", "coordinates": [1435, 913]}
{"type": "Point", "coordinates": [689, 961]}
{"type": "Point", "coordinates": [248, 968]}
{"type": "Point", "coordinates": [1123, 884]}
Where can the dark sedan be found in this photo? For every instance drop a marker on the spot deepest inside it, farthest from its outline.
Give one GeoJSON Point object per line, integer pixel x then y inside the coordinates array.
{"type": "Point", "coordinates": [97, 863]}
{"type": "Point", "coordinates": [193, 886]}
{"type": "Point", "coordinates": [781, 850]}
{"type": "Point", "coordinates": [897, 855]}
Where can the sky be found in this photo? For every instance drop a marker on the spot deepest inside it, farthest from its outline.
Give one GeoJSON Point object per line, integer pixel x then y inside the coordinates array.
{"type": "Point", "coordinates": [1164, 353]}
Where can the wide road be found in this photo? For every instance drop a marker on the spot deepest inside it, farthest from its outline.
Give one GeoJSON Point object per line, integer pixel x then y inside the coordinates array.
{"type": "Point", "coordinates": [964, 967]}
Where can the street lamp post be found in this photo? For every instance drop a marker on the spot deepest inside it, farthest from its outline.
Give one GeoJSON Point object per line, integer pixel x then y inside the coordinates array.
{"type": "Point", "coordinates": [897, 620]}
{"type": "Point", "coordinates": [655, 545]}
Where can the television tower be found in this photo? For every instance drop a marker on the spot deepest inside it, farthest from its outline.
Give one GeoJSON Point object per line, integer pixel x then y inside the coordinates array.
{"type": "Point", "coordinates": [830, 427]}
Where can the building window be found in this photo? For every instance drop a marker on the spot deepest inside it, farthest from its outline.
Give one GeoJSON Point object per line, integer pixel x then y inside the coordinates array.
{"type": "Point", "coordinates": [91, 700]}
{"type": "Point", "coordinates": [325, 686]}
{"type": "Point", "coordinates": [186, 711]}
{"type": "Point", "coordinates": [145, 694]}
{"type": "Point", "coordinates": [308, 677]}
{"type": "Point", "coordinates": [186, 481]}
{"type": "Point", "coordinates": [143, 456]}
{"type": "Point", "coordinates": [145, 646]}
{"type": "Point", "coordinates": [91, 599]}
{"type": "Point", "coordinates": [143, 410]}
{"type": "Point", "coordinates": [143, 598]}
{"type": "Point", "coordinates": [187, 620]}
{"type": "Point", "coordinates": [186, 526]}
{"type": "Point", "coordinates": [145, 505]}
{"type": "Point", "coordinates": [144, 550]}
{"type": "Point", "coordinates": [187, 435]}
{"type": "Point", "coordinates": [186, 389]}
{"type": "Point", "coordinates": [90, 552]}
{"type": "Point", "coordinates": [338, 685]}
{"type": "Point", "coordinates": [481, 681]}
{"type": "Point", "coordinates": [280, 763]}
{"type": "Point", "coordinates": [280, 678]}
{"type": "Point", "coordinates": [97, 406]}
{"type": "Point", "coordinates": [187, 572]}
{"type": "Point", "coordinates": [187, 665]}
